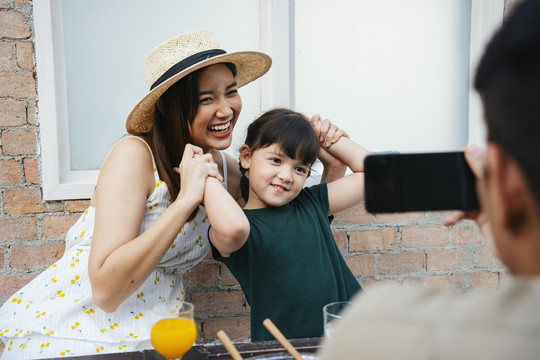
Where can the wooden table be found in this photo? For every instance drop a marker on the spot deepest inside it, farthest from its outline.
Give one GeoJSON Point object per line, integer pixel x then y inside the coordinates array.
{"type": "Point", "coordinates": [212, 352]}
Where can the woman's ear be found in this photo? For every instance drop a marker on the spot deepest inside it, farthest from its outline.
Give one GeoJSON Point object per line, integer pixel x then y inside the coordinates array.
{"type": "Point", "coordinates": [245, 156]}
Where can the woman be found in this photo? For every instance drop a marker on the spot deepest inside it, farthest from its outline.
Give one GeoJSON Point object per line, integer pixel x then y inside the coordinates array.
{"type": "Point", "coordinates": [145, 226]}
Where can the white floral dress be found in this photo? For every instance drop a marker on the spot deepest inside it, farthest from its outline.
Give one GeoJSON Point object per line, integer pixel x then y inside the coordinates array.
{"type": "Point", "coordinates": [54, 315]}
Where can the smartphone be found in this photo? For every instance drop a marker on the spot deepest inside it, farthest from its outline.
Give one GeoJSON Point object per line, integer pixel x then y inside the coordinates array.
{"type": "Point", "coordinates": [397, 182]}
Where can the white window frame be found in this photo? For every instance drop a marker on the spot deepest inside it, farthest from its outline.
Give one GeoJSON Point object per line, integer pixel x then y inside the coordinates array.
{"type": "Point", "coordinates": [60, 183]}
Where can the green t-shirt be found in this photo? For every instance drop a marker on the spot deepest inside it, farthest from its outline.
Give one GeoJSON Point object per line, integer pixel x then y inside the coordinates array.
{"type": "Point", "coordinates": [290, 266]}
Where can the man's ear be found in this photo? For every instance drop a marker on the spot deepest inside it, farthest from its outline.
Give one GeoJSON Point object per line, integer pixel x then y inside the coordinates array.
{"type": "Point", "coordinates": [245, 156]}
{"type": "Point", "coordinates": [510, 188]}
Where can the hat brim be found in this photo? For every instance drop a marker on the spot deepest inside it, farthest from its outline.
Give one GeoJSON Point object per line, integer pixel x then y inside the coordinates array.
{"type": "Point", "coordinates": [250, 65]}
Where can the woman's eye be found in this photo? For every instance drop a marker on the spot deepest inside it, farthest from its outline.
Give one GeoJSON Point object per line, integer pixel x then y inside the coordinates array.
{"type": "Point", "coordinates": [232, 92]}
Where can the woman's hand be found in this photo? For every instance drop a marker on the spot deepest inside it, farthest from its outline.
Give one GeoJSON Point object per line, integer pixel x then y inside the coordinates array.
{"type": "Point", "coordinates": [195, 167]}
{"type": "Point", "coordinates": [328, 134]}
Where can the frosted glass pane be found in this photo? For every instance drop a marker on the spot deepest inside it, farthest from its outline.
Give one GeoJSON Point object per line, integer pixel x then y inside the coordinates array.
{"type": "Point", "coordinates": [393, 73]}
{"type": "Point", "coordinates": [106, 42]}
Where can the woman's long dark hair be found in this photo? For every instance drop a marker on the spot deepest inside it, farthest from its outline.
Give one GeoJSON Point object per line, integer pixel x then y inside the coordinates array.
{"type": "Point", "coordinates": [286, 128]}
{"type": "Point", "coordinates": [174, 113]}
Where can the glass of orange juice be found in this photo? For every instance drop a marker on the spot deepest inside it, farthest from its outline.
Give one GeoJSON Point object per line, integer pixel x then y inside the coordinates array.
{"type": "Point", "coordinates": [173, 331]}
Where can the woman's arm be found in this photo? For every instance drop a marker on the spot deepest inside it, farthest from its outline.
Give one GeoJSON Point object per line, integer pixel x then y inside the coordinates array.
{"type": "Point", "coordinates": [121, 259]}
{"type": "Point", "coordinates": [229, 226]}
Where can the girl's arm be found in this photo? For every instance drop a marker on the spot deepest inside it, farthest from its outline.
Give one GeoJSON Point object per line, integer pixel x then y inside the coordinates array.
{"type": "Point", "coordinates": [121, 259]}
{"type": "Point", "coordinates": [229, 226]}
{"type": "Point", "coordinates": [349, 190]}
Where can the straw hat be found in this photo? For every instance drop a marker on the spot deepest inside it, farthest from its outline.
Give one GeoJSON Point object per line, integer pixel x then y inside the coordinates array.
{"type": "Point", "coordinates": [172, 60]}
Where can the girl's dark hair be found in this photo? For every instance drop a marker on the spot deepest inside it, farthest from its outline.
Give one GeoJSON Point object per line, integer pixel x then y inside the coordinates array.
{"type": "Point", "coordinates": [286, 128]}
{"type": "Point", "coordinates": [174, 113]}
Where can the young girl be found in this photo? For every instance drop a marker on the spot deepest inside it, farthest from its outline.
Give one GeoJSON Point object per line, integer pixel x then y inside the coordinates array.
{"type": "Point", "coordinates": [281, 249]}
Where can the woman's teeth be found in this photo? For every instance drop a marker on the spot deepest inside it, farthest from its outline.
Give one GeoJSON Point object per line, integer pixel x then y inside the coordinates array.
{"type": "Point", "coordinates": [220, 128]}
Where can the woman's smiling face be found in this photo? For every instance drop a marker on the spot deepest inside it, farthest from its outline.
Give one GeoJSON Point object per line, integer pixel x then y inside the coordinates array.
{"type": "Point", "coordinates": [218, 110]}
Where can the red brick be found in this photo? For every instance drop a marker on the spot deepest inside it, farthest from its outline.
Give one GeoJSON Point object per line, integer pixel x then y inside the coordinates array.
{"type": "Point", "coordinates": [417, 236]}
{"type": "Point", "coordinates": [2, 259]}
{"type": "Point", "coordinates": [17, 84]}
{"type": "Point", "coordinates": [19, 142]}
{"type": "Point", "coordinates": [77, 206]}
{"type": "Point", "coordinates": [444, 260]}
{"type": "Point", "coordinates": [341, 239]}
{"type": "Point", "coordinates": [237, 328]}
{"type": "Point", "coordinates": [25, 228]}
{"type": "Point", "coordinates": [488, 281]}
{"type": "Point", "coordinates": [12, 113]}
{"type": "Point", "coordinates": [27, 201]}
{"type": "Point", "coordinates": [31, 113]}
{"type": "Point", "coordinates": [31, 172]}
{"type": "Point", "coordinates": [227, 278]}
{"type": "Point", "coordinates": [218, 302]}
{"type": "Point", "coordinates": [401, 263]}
{"type": "Point", "coordinates": [10, 172]}
{"type": "Point", "coordinates": [13, 25]}
{"type": "Point", "coordinates": [7, 56]}
{"type": "Point", "coordinates": [485, 258]}
{"type": "Point", "coordinates": [373, 239]}
{"type": "Point", "coordinates": [430, 281]}
{"type": "Point", "coordinates": [9, 284]}
{"type": "Point", "coordinates": [464, 232]}
{"type": "Point", "coordinates": [362, 265]}
{"type": "Point", "coordinates": [355, 215]}
{"type": "Point", "coordinates": [57, 226]}
{"type": "Point", "coordinates": [35, 257]}
{"type": "Point", "coordinates": [25, 55]}
{"type": "Point", "coordinates": [202, 275]}
{"type": "Point", "coordinates": [398, 218]}
{"type": "Point", "coordinates": [18, 3]}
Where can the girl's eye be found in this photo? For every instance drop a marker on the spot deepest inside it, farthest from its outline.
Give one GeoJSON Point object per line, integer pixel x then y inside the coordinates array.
{"type": "Point", "coordinates": [232, 92]}
{"type": "Point", "coordinates": [275, 160]}
{"type": "Point", "coordinates": [205, 100]}
{"type": "Point", "coordinates": [301, 170]}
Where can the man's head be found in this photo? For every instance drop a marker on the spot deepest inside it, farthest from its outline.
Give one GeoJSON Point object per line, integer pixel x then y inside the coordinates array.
{"type": "Point", "coordinates": [508, 80]}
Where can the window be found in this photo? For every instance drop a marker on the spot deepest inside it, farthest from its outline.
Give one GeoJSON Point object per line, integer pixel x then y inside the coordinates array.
{"type": "Point", "coordinates": [326, 55]}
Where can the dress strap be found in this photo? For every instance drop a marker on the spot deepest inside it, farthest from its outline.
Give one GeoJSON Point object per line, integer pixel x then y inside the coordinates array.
{"type": "Point", "coordinates": [224, 162]}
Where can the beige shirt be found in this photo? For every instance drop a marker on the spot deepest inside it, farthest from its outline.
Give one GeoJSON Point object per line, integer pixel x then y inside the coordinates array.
{"type": "Point", "coordinates": [393, 322]}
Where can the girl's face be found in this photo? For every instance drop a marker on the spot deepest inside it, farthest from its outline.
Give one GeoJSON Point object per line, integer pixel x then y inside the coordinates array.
{"type": "Point", "coordinates": [274, 178]}
{"type": "Point", "coordinates": [219, 107]}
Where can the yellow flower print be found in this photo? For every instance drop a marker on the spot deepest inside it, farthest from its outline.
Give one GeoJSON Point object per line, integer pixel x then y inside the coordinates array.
{"type": "Point", "coordinates": [181, 230]}
{"type": "Point", "coordinates": [141, 296]}
{"type": "Point", "coordinates": [195, 225]}
{"type": "Point", "coordinates": [158, 184]}
{"type": "Point", "coordinates": [4, 332]}
{"type": "Point", "coordinates": [40, 314]}
{"type": "Point", "coordinates": [30, 303]}
{"type": "Point", "coordinates": [137, 316]}
{"type": "Point", "coordinates": [99, 348]}
{"type": "Point", "coordinates": [103, 330]}
{"type": "Point", "coordinates": [173, 246]}
{"type": "Point", "coordinates": [131, 335]}
{"type": "Point", "coordinates": [65, 352]}
{"type": "Point", "coordinates": [122, 347]}
{"type": "Point", "coordinates": [88, 311]}
{"type": "Point", "coordinates": [199, 241]}
{"type": "Point", "coordinates": [75, 262]}
{"type": "Point", "coordinates": [206, 218]}
{"type": "Point", "coordinates": [75, 280]}
{"type": "Point", "coordinates": [43, 346]}
{"type": "Point", "coordinates": [10, 344]}
{"type": "Point", "coordinates": [59, 293]}
{"type": "Point", "coordinates": [150, 206]}
{"type": "Point", "coordinates": [113, 326]}
{"type": "Point", "coordinates": [82, 234]}
{"type": "Point", "coordinates": [75, 326]}
{"type": "Point", "coordinates": [157, 280]}
{"type": "Point", "coordinates": [18, 333]}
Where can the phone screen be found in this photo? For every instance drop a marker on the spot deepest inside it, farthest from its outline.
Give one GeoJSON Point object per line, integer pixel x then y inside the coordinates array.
{"type": "Point", "coordinates": [419, 182]}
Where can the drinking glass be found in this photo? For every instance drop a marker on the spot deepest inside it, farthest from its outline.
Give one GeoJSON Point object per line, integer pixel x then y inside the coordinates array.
{"type": "Point", "coordinates": [331, 313]}
{"type": "Point", "coordinates": [173, 331]}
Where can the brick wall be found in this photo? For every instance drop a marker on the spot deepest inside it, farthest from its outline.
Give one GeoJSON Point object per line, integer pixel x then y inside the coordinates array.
{"type": "Point", "coordinates": [408, 248]}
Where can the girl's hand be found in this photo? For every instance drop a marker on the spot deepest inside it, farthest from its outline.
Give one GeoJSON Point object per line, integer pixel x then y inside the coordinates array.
{"type": "Point", "coordinates": [195, 167]}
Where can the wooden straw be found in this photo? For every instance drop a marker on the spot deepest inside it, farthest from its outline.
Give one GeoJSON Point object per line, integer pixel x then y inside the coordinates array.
{"type": "Point", "coordinates": [269, 325]}
{"type": "Point", "coordinates": [229, 345]}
